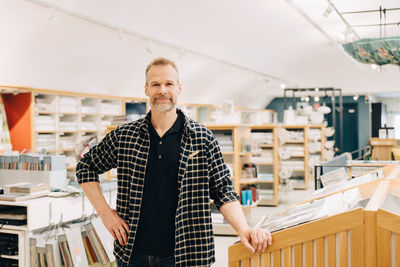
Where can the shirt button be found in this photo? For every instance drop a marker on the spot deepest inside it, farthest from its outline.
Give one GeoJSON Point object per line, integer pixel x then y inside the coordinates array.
{"type": "Point", "coordinates": [160, 142]}
{"type": "Point", "coordinates": [159, 156]}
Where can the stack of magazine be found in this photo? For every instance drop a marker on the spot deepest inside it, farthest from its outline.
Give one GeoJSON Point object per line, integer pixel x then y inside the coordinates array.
{"type": "Point", "coordinates": [314, 210]}
{"type": "Point", "coordinates": [79, 245]}
{"type": "Point", "coordinates": [24, 191]}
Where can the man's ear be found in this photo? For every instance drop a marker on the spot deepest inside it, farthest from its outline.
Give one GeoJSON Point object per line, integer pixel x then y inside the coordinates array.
{"type": "Point", "coordinates": [146, 90]}
{"type": "Point", "coordinates": [179, 88]}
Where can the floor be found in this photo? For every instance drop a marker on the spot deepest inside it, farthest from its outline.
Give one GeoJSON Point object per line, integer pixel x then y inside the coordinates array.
{"type": "Point", "coordinates": [286, 199]}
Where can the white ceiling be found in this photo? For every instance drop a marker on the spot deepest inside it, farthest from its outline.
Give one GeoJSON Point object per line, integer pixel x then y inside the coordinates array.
{"type": "Point", "coordinates": [77, 46]}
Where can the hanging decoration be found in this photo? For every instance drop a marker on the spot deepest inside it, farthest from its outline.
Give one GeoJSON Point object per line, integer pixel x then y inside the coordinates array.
{"type": "Point", "coordinates": [379, 51]}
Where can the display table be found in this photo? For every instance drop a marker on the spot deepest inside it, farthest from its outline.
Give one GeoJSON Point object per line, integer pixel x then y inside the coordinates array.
{"type": "Point", "coordinates": [360, 236]}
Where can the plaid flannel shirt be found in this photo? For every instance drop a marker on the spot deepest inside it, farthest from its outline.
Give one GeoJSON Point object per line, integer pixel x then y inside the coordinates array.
{"type": "Point", "coordinates": [202, 175]}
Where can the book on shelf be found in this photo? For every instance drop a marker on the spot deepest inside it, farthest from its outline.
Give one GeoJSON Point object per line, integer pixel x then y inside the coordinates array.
{"type": "Point", "coordinates": [76, 246]}
{"type": "Point", "coordinates": [15, 216]}
{"type": "Point", "coordinates": [105, 237]}
{"type": "Point", "coordinates": [98, 248]}
{"type": "Point", "coordinates": [65, 252]}
{"type": "Point", "coordinates": [32, 249]}
{"type": "Point", "coordinates": [52, 254]}
{"type": "Point", "coordinates": [24, 188]}
{"type": "Point", "coordinates": [41, 255]}
{"type": "Point", "coordinates": [21, 197]}
{"type": "Point", "coordinates": [91, 256]}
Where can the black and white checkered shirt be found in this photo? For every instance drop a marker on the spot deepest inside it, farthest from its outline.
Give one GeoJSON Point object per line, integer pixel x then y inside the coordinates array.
{"type": "Point", "coordinates": [202, 175]}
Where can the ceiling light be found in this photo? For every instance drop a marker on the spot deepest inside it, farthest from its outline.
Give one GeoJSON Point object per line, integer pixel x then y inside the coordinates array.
{"type": "Point", "coordinates": [316, 98]}
{"type": "Point", "coordinates": [346, 34]}
{"type": "Point", "coordinates": [355, 97]}
{"type": "Point", "coordinates": [283, 86]}
{"type": "Point", "coordinates": [316, 89]}
{"type": "Point", "coordinates": [52, 16]}
{"type": "Point", "coordinates": [181, 53]}
{"type": "Point", "coordinates": [121, 35]}
{"type": "Point", "coordinates": [374, 66]}
{"type": "Point", "coordinates": [327, 11]}
{"type": "Point", "coordinates": [307, 98]}
{"type": "Point", "coordinates": [149, 47]}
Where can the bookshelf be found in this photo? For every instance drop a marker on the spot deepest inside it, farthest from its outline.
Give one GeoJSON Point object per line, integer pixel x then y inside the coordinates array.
{"type": "Point", "coordinates": [58, 121]}
{"type": "Point", "coordinates": [264, 155]}
{"type": "Point", "coordinates": [228, 137]}
{"type": "Point", "coordinates": [296, 147]}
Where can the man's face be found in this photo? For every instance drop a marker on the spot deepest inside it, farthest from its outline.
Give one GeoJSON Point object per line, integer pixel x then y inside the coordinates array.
{"type": "Point", "coordinates": [162, 87]}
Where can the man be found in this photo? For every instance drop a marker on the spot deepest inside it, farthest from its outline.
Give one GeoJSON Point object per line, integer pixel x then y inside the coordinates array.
{"type": "Point", "coordinates": [169, 167]}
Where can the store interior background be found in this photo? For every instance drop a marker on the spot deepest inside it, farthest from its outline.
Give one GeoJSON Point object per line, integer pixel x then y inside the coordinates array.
{"type": "Point", "coordinates": [224, 50]}
{"type": "Point", "coordinates": [247, 52]}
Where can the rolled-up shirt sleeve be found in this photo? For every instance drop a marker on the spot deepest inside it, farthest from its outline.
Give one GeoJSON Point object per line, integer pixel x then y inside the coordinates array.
{"type": "Point", "coordinates": [99, 159]}
{"type": "Point", "coordinates": [221, 188]}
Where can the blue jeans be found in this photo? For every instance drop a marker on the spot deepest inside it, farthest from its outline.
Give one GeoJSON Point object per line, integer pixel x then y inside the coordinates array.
{"type": "Point", "coordinates": [141, 260]}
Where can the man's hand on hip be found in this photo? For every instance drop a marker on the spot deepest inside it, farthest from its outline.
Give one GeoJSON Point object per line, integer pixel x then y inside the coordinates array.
{"type": "Point", "coordinates": [118, 228]}
{"type": "Point", "coordinates": [256, 239]}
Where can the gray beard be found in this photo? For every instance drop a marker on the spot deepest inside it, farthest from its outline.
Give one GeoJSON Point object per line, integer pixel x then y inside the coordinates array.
{"type": "Point", "coordinates": [163, 107]}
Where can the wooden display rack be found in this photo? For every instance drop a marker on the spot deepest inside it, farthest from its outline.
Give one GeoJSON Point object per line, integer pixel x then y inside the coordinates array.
{"type": "Point", "coordinates": [361, 237]}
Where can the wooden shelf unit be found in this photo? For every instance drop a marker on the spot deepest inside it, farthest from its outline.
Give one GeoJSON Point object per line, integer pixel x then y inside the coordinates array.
{"type": "Point", "coordinates": [274, 165]}
{"type": "Point", "coordinates": [301, 184]}
{"type": "Point", "coordinates": [233, 157]}
{"type": "Point", "coordinates": [238, 158]}
{"type": "Point", "coordinates": [322, 139]}
{"type": "Point", "coordinates": [63, 114]}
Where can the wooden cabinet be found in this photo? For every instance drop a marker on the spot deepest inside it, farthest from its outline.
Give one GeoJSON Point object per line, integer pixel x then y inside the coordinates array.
{"type": "Point", "coordinates": [366, 235]}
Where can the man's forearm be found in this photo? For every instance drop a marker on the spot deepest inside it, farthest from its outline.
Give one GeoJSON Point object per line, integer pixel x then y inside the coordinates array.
{"type": "Point", "coordinates": [93, 193]}
{"type": "Point", "coordinates": [233, 213]}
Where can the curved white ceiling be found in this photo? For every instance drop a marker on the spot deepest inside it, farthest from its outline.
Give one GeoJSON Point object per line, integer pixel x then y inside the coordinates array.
{"type": "Point", "coordinates": [269, 37]}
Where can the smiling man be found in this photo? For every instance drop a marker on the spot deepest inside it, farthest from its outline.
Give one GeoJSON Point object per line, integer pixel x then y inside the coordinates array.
{"type": "Point", "coordinates": [169, 168]}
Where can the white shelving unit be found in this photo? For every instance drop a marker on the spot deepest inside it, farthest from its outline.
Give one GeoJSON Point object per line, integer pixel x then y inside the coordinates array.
{"type": "Point", "coordinates": [42, 212]}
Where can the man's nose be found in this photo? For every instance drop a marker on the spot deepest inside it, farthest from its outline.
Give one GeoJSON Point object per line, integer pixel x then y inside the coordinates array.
{"type": "Point", "coordinates": [163, 89]}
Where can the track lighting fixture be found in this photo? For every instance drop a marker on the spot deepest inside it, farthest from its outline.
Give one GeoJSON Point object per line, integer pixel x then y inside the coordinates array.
{"type": "Point", "coordinates": [327, 11]}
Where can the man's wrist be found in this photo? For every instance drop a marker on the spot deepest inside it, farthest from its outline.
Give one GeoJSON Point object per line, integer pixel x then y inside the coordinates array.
{"type": "Point", "coordinates": [104, 211]}
{"type": "Point", "coordinates": [243, 229]}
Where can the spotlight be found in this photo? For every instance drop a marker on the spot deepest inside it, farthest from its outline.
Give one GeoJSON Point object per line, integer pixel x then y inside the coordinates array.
{"type": "Point", "coordinates": [355, 97]}
{"type": "Point", "coordinates": [149, 47]}
{"type": "Point", "coordinates": [327, 11]}
{"type": "Point", "coordinates": [121, 35]}
{"type": "Point", "coordinates": [181, 53]}
{"type": "Point", "coordinates": [316, 89]}
{"type": "Point", "coordinates": [307, 98]}
{"type": "Point", "coordinates": [316, 98]}
{"type": "Point", "coordinates": [283, 86]}
{"type": "Point", "coordinates": [52, 16]}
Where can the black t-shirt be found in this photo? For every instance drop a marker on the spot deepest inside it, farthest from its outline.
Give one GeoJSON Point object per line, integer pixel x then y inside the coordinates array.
{"type": "Point", "coordinates": [156, 230]}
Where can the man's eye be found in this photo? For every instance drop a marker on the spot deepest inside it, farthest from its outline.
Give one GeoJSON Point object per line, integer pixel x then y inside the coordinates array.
{"type": "Point", "coordinates": [156, 84]}
{"type": "Point", "coordinates": [170, 84]}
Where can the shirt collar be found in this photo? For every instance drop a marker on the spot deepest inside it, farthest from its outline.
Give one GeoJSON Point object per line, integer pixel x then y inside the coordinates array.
{"type": "Point", "coordinates": [187, 124]}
